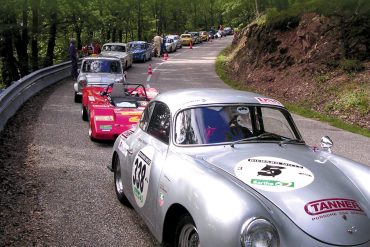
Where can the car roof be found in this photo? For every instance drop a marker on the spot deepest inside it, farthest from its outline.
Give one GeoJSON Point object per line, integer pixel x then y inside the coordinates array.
{"type": "Point", "coordinates": [92, 57]}
{"type": "Point", "coordinates": [183, 98]}
{"type": "Point", "coordinates": [137, 42]}
{"type": "Point", "coordinates": [123, 44]}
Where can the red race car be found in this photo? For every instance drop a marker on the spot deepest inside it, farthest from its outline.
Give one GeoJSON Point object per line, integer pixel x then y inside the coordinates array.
{"type": "Point", "coordinates": [114, 109]}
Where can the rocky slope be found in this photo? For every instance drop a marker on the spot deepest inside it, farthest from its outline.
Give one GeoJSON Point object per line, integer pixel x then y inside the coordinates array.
{"type": "Point", "coordinates": [319, 62]}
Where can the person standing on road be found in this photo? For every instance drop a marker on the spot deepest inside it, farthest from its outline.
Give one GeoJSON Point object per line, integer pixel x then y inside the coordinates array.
{"type": "Point", "coordinates": [157, 44]}
{"type": "Point", "coordinates": [74, 57]}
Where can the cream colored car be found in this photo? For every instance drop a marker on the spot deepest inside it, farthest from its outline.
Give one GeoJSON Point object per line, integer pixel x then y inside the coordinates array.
{"type": "Point", "coordinates": [119, 50]}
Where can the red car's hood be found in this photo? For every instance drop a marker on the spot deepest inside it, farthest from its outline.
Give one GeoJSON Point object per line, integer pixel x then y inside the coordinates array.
{"type": "Point", "coordinates": [308, 188]}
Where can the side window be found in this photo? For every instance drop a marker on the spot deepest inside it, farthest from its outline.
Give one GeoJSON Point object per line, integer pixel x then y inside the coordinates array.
{"type": "Point", "coordinates": [159, 125]}
{"type": "Point", "coordinates": [145, 116]}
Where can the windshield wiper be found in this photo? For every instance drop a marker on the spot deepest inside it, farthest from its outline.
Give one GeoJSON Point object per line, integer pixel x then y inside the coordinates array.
{"type": "Point", "coordinates": [263, 136]}
{"type": "Point", "coordinates": [292, 141]}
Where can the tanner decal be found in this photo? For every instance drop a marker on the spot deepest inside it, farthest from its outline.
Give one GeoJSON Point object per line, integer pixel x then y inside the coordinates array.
{"type": "Point", "coordinates": [141, 174]}
{"type": "Point", "coordinates": [273, 174]}
{"type": "Point", "coordinates": [325, 208]}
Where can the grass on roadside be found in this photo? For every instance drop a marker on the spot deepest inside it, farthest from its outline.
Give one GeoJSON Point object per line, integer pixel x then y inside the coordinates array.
{"type": "Point", "coordinates": [221, 71]}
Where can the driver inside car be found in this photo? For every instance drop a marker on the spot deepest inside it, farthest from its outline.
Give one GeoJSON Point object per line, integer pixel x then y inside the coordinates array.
{"type": "Point", "coordinates": [240, 126]}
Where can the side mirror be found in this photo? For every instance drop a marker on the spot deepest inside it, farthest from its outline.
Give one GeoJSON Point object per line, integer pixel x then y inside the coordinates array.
{"type": "Point", "coordinates": [326, 143]}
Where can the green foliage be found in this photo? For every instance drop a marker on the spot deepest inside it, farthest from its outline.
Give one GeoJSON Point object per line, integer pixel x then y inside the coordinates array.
{"type": "Point", "coordinates": [320, 79]}
{"type": "Point", "coordinates": [351, 65]}
{"type": "Point", "coordinates": [352, 97]}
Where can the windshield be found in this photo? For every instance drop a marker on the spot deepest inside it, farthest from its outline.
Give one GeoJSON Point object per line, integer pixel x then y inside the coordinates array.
{"type": "Point", "coordinates": [137, 46]}
{"type": "Point", "coordinates": [230, 123]}
{"type": "Point", "coordinates": [101, 66]}
{"type": "Point", "coordinates": [119, 48]}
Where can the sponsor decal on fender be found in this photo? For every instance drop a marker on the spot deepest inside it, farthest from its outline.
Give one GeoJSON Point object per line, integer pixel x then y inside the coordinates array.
{"type": "Point", "coordinates": [131, 113]}
{"type": "Point", "coordinates": [134, 119]}
{"type": "Point", "coordinates": [331, 205]}
{"type": "Point", "coordinates": [104, 118]}
{"type": "Point", "coordinates": [127, 133]}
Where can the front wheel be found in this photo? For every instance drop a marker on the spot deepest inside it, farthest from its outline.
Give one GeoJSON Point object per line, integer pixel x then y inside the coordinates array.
{"type": "Point", "coordinates": [187, 233]}
{"type": "Point", "coordinates": [77, 98]}
{"type": "Point", "coordinates": [118, 183]}
{"type": "Point", "coordinates": [84, 114]}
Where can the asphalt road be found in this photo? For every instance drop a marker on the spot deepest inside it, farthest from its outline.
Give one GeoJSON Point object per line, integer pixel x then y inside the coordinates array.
{"type": "Point", "coordinates": [79, 206]}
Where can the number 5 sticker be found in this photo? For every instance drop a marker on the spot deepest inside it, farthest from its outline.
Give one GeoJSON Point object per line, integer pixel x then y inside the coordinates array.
{"type": "Point", "coordinates": [141, 174]}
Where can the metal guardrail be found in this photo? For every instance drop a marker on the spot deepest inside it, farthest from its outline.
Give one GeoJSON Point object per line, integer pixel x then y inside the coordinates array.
{"type": "Point", "coordinates": [13, 97]}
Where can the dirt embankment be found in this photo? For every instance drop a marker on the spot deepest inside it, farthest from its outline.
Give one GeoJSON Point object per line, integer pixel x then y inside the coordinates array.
{"type": "Point", "coordinates": [320, 62]}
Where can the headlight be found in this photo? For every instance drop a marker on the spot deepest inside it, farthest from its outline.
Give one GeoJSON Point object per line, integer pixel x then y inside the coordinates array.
{"type": "Point", "coordinates": [258, 232]}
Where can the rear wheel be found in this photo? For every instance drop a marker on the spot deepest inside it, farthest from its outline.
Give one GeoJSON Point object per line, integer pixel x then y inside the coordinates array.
{"type": "Point", "coordinates": [77, 98]}
{"type": "Point", "coordinates": [84, 113]}
{"type": "Point", "coordinates": [187, 233]}
{"type": "Point", "coordinates": [118, 183]}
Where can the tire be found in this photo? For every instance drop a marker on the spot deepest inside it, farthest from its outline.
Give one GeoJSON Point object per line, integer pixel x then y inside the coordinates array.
{"type": "Point", "coordinates": [90, 135]}
{"type": "Point", "coordinates": [84, 114]}
{"type": "Point", "coordinates": [186, 232]}
{"type": "Point", "coordinates": [77, 98]}
{"type": "Point", "coordinates": [118, 184]}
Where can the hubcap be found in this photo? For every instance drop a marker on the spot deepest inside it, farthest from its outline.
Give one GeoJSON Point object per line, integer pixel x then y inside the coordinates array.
{"type": "Point", "coordinates": [117, 174]}
{"type": "Point", "coordinates": [189, 236]}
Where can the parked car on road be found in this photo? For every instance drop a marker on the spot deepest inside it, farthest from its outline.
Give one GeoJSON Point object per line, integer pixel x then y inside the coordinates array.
{"type": "Point", "coordinates": [197, 39]}
{"type": "Point", "coordinates": [204, 35]}
{"type": "Point", "coordinates": [141, 50]}
{"type": "Point", "coordinates": [98, 70]}
{"type": "Point", "coordinates": [228, 31]}
{"type": "Point", "coordinates": [119, 50]}
{"type": "Point", "coordinates": [176, 39]}
{"type": "Point", "coordinates": [170, 45]}
{"type": "Point", "coordinates": [187, 39]}
{"type": "Point", "coordinates": [220, 167]}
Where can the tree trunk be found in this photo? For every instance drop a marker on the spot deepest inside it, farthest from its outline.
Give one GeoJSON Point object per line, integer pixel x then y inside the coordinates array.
{"type": "Point", "coordinates": [139, 22]}
{"type": "Point", "coordinates": [35, 33]}
{"type": "Point", "coordinates": [21, 41]}
{"type": "Point", "coordinates": [52, 35]}
{"type": "Point", "coordinates": [120, 33]}
{"type": "Point", "coordinates": [9, 70]}
{"type": "Point", "coordinates": [257, 10]}
{"type": "Point", "coordinates": [114, 34]}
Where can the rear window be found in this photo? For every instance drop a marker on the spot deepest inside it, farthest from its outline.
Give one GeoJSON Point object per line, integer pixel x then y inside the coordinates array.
{"type": "Point", "coordinates": [119, 48]}
{"type": "Point", "coordinates": [185, 36]}
{"type": "Point", "coordinates": [101, 66]}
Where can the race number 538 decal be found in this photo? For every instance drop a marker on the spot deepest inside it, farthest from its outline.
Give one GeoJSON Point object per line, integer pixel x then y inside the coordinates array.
{"type": "Point", "coordinates": [141, 174]}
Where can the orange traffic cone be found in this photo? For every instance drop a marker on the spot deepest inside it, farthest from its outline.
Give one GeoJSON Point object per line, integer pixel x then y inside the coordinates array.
{"type": "Point", "coordinates": [165, 56]}
{"type": "Point", "coordinates": [150, 71]}
{"type": "Point", "coordinates": [191, 45]}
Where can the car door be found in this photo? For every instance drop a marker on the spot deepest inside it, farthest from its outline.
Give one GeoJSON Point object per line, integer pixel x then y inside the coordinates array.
{"type": "Point", "coordinates": [148, 158]}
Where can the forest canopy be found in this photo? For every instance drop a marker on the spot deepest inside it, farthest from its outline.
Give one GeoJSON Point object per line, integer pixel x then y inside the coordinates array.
{"type": "Point", "coordinates": [36, 33]}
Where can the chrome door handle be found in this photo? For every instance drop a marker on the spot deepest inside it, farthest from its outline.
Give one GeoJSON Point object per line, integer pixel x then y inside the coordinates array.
{"type": "Point", "coordinates": [129, 151]}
